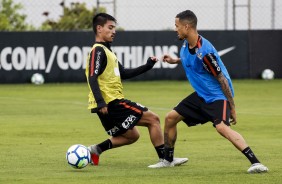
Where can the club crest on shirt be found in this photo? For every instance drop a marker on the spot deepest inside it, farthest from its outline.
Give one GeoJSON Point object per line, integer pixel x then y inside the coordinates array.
{"type": "Point", "coordinates": [199, 55]}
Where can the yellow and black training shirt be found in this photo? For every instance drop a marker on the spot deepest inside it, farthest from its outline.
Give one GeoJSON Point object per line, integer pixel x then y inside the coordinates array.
{"type": "Point", "coordinates": [104, 74]}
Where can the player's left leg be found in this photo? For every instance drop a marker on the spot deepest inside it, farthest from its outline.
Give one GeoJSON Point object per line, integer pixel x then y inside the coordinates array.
{"type": "Point", "coordinates": [239, 142]}
{"type": "Point", "coordinates": [129, 137]}
{"type": "Point", "coordinates": [152, 121]}
{"type": "Point", "coordinates": [219, 113]}
{"type": "Point", "coordinates": [234, 137]}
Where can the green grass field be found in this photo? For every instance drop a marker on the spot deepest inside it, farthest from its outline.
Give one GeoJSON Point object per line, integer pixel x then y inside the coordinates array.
{"type": "Point", "coordinates": [39, 123]}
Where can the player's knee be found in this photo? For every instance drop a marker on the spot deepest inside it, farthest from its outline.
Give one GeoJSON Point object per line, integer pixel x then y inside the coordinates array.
{"type": "Point", "coordinates": [169, 118]}
{"type": "Point", "coordinates": [170, 121]}
{"type": "Point", "coordinates": [221, 128]}
{"type": "Point", "coordinates": [134, 138]}
{"type": "Point", "coordinates": [149, 119]}
{"type": "Point", "coordinates": [154, 123]}
{"type": "Point", "coordinates": [154, 119]}
{"type": "Point", "coordinates": [132, 135]}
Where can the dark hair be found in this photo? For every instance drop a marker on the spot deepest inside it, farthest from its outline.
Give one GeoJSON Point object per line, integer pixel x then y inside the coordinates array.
{"type": "Point", "coordinates": [101, 19]}
{"type": "Point", "coordinates": [189, 16]}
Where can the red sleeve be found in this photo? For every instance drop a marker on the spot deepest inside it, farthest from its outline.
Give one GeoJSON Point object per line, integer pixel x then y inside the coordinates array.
{"type": "Point", "coordinates": [211, 65]}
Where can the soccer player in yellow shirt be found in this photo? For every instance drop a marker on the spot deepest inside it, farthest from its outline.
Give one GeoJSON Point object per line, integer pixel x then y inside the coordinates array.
{"type": "Point", "coordinates": [118, 115]}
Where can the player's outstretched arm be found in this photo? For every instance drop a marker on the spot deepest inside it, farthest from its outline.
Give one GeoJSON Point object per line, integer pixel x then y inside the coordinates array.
{"type": "Point", "coordinates": [129, 73]}
{"type": "Point", "coordinates": [168, 59]}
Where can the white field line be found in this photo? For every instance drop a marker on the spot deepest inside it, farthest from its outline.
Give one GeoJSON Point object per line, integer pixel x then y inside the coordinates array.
{"type": "Point", "coordinates": [85, 105]}
{"type": "Point", "coordinates": [44, 101]}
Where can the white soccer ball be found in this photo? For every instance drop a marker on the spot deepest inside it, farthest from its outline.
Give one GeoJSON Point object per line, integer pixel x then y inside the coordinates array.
{"type": "Point", "coordinates": [78, 156]}
{"type": "Point", "coordinates": [267, 74]}
{"type": "Point", "coordinates": [37, 79]}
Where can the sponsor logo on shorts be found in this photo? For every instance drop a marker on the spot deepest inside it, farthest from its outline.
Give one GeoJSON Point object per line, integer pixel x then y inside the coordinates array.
{"type": "Point", "coordinates": [112, 131]}
{"type": "Point", "coordinates": [128, 121]}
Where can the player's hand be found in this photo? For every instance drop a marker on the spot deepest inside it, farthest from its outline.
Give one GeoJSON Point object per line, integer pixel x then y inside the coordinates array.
{"type": "Point", "coordinates": [153, 58]}
{"type": "Point", "coordinates": [103, 110]}
{"type": "Point", "coordinates": [168, 59]}
{"type": "Point", "coordinates": [233, 119]}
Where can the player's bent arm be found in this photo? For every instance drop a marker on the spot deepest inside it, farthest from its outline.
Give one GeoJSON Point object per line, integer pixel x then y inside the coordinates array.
{"type": "Point", "coordinates": [97, 64]}
{"type": "Point", "coordinates": [129, 73]}
{"type": "Point", "coordinates": [97, 93]}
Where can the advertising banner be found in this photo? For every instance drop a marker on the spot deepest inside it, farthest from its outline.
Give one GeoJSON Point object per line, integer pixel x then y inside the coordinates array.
{"type": "Point", "coordinates": [61, 56]}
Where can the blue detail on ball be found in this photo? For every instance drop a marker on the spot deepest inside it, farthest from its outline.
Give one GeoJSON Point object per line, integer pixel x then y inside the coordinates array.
{"type": "Point", "coordinates": [80, 160]}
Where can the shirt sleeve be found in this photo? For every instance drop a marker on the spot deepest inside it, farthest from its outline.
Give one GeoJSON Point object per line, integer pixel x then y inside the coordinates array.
{"type": "Point", "coordinates": [129, 73]}
{"type": "Point", "coordinates": [97, 64]}
{"type": "Point", "coordinates": [211, 65]}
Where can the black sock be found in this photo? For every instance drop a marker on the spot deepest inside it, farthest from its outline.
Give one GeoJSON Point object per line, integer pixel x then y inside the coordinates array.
{"type": "Point", "coordinates": [169, 154]}
{"type": "Point", "coordinates": [250, 155]}
{"type": "Point", "coordinates": [107, 144]}
{"type": "Point", "coordinates": [160, 151]}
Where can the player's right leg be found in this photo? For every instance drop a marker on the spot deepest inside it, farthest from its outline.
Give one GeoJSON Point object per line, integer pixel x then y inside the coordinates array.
{"type": "Point", "coordinates": [170, 134]}
{"type": "Point", "coordinates": [129, 137]}
{"type": "Point", "coordinates": [113, 124]}
{"type": "Point", "coordinates": [151, 121]}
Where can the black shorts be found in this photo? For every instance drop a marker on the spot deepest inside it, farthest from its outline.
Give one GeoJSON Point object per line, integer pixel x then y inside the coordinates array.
{"type": "Point", "coordinates": [122, 115]}
{"type": "Point", "coordinates": [196, 111]}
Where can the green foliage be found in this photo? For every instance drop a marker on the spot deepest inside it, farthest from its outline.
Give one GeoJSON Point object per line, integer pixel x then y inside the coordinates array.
{"type": "Point", "coordinates": [11, 20]}
{"type": "Point", "coordinates": [76, 17]}
{"type": "Point", "coordinates": [39, 123]}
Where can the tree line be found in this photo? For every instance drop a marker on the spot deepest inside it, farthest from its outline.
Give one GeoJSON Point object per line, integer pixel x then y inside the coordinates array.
{"type": "Point", "coordinates": [75, 17]}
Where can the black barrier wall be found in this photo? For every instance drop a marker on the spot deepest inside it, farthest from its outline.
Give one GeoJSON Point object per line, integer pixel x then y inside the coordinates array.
{"type": "Point", "coordinates": [265, 51]}
{"type": "Point", "coordinates": [61, 56]}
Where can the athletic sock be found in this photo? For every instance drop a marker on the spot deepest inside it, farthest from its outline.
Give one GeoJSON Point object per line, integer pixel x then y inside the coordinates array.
{"type": "Point", "coordinates": [160, 151]}
{"type": "Point", "coordinates": [169, 152]}
{"type": "Point", "coordinates": [103, 146]}
{"type": "Point", "coordinates": [250, 155]}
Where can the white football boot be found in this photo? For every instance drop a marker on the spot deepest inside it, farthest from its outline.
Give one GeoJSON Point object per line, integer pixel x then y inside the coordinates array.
{"type": "Point", "coordinates": [165, 163]}
{"type": "Point", "coordinates": [257, 168]}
